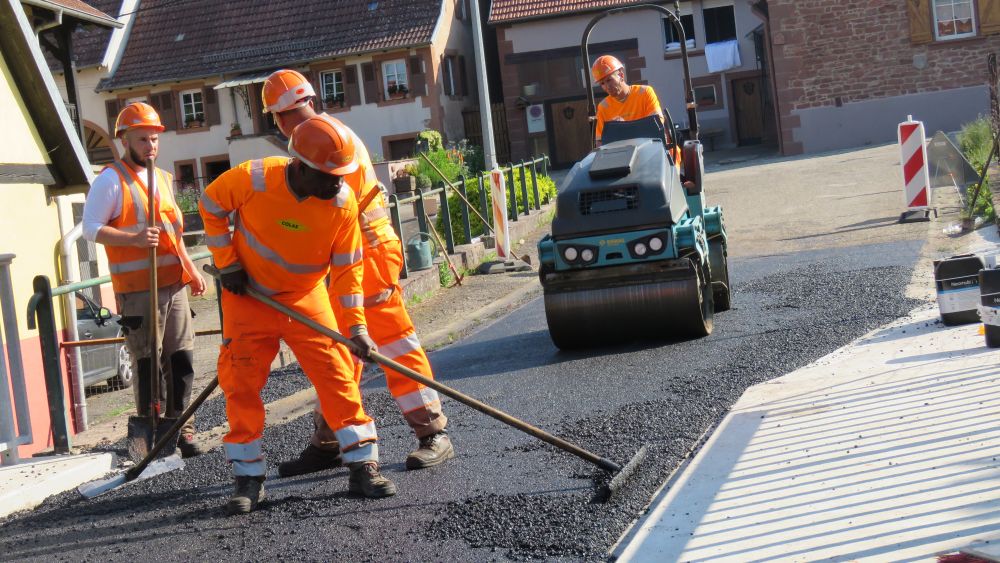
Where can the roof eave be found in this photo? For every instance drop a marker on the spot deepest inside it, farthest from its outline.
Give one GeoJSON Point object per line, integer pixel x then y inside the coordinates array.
{"type": "Point", "coordinates": [103, 87]}
{"type": "Point", "coordinates": [39, 94]}
{"type": "Point", "coordinates": [104, 21]}
{"type": "Point", "coordinates": [490, 21]}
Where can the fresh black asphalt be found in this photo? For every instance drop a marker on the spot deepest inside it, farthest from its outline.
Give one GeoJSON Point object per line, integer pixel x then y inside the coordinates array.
{"type": "Point", "coordinates": [505, 495]}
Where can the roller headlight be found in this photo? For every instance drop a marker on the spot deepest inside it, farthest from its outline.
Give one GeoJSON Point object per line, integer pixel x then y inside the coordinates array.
{"type": "Point", "coordinates": [570, 254]}
{"type": "Point", "coordinates": [587, 255]}
{"type": "Point", "coordinates": [639, 249]}
{"type": "Point", "coordinates": [656, 244]}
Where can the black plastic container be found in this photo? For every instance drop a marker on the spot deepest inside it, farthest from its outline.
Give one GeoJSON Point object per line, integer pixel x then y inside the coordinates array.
{"type": "Point", "coordinates": [957, 280]}
{"type": "Point", "coordinates": [989, 298]}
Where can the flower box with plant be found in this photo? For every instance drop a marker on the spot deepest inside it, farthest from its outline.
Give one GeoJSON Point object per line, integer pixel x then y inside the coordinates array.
{"type": "Point", "coordinates": [194, 121]}
{"type": "Point", "coordinates": [397, 91]}
{"type": "Point", "coordinates": [235, 130]}
{"type": "Point", "coordinates": [334, 101]}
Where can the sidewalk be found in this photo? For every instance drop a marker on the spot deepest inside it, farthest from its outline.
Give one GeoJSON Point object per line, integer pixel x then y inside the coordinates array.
{"type": "Point", "coordinates": [886, 449]}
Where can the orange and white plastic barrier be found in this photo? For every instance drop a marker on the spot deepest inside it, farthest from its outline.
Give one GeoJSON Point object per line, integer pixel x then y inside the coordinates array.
{"type": "Point", "coordinates": [916, 177]}
{"type": "Point", "coordinates": [498, 193]}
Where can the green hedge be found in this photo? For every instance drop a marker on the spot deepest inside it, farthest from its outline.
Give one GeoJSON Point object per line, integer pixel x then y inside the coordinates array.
{"type": "Point", "coordinates": [976, 139]}
{"type": "Point", "coordinates": [546, 189]}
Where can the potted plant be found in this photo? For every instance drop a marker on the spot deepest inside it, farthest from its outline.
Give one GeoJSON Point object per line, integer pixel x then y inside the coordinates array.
{"type": "Point", "coordinates": [403, 90]}
{"type": "Point", "coordinates": [235, 130]}
{"type": "Point", "coordinates": [187, 200]}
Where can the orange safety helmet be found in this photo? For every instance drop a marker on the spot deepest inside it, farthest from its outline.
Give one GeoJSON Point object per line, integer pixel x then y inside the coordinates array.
{"type": "Point", "coordinates": [286, 89]}
{"type": "Point", "coordinates": [604, 66]}
{"type": "Point", "coordinates": [325, 144]}
{"type": "Point", "coordinates": [137, 114]}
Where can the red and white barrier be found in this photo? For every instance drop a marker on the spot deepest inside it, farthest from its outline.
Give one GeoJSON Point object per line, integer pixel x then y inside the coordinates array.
{"type": "Point", "coordinates": [916, 177]}
{"type": "Point", "coordinates": [498, 191]}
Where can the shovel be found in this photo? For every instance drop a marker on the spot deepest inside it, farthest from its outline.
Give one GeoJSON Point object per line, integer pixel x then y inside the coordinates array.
{"type": "Point", "coordinates": [145, 431]}
{"type": "Point", "coordinates": [621, 474]}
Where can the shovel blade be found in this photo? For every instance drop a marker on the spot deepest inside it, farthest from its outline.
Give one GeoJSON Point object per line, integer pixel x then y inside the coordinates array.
{"type": "Point", "coordinates": [158, 467]}
{"type": "Point", "coordinates": [140, 437]}
{"type": "Point", "coordinates": [144, 432]}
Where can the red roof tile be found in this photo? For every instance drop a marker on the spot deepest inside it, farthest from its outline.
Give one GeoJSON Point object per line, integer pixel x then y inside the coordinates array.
{"type": "Point", "coordinates": [175, 40]}
{"type": "Point", "coordinates": [509, 11]}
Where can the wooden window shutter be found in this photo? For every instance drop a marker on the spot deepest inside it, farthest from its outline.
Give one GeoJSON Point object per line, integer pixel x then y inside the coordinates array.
{"type": "Point", "coordinates": [921, 26]}
{"type": "Point", "coordinates": [463, 78]}
{"type": "Point", "coordinates": [169, 113]}
{"type": "Point", "coordinates": [418, 81]}
{"type": "Point", "coordinates": [211, 101]}
{"type": "Point", "coordinates": [111, 107]}
{"type": "Point", "coordinates": [372, 90]}
{"type": "Point", "coordinates": [352, 93]}
{"type": "Point", "coordinates": [989, 16]}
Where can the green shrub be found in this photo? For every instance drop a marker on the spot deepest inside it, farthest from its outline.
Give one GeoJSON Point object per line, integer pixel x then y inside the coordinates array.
{"type": "Point", "coordinates": [976, 139]}
{"type": "Point", "coordinates": [448, 162]}
{"type": "Point", "coordinates": [546, 190]}
{"type": "Point", "coordinates": [432, 138]}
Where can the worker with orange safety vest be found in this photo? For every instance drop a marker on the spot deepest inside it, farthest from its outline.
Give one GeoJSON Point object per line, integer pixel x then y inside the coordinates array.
{"type": "Point", "coordinates": [115, 216]}
{"type": "Point", "coordinates": [624, 102]}
{"type": "Point", "coordinates": [296, 225]}
{"type": "Point", "coordinates": [290, 97]}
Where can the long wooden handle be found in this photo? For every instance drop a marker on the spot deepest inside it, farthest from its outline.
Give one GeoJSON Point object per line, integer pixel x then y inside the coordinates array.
{"type": "Point", "coordinates": [597, 460]}
{"type": "Point", "coordinates": [154, 301]}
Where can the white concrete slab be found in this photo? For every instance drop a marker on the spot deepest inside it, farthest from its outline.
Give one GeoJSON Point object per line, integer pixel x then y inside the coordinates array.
{"type": "Point", "coordinates": [27, 484]}
{"type": "Point", "coordinates": [885, 450]}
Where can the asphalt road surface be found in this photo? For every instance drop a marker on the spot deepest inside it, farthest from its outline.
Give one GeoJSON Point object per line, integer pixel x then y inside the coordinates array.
{"type": "Point", "coordinates": [505, 495]}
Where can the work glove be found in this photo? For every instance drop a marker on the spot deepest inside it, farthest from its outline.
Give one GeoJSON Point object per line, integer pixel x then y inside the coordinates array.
{"type": "Point", "coordinates": [363, 344]}
{"type": "Point", "coordinates": [235, 281]}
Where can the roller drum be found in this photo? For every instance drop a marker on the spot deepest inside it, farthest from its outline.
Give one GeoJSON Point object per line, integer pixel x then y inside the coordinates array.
{"type": "Point", "coordinates": [670, 308]}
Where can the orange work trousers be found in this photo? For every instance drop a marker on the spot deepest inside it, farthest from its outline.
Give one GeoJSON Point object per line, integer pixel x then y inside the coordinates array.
{"type": "Point", "coordinates": [251, 333]}
{"type": "Point", "coordinates": [389, 325]}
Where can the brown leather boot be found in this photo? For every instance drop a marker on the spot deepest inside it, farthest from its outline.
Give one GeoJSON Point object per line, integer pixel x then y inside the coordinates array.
{"type": "Point", "coordinates": [248, 493]}
{"type": "Point", "coordinates": [366, 481]}
{"type": "Point", "coordinates": [434, 449]}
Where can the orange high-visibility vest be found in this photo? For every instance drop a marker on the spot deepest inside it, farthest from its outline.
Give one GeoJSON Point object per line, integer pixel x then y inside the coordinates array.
{"type": "Point", "coordinates": [129, 265]}
{"type": "Point", "coordinates": [286, 245]}
{"type": "Point", "coordinates": [376, 226]}
{"type": "Point", "coordinates": [641, 102]}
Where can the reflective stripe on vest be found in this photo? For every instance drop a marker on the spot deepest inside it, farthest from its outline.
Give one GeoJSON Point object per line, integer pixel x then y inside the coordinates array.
{"type": "Point", "coordinates": [219, 241]}
{"type": "Point", "coordinates": [212, 207]}
{"type": "Point", "coordinates": [276, 258]}
{"type": "Point", "coordinates": [137, 265]}
{"type": "Point", "coordinates": [379, 298]}
{"type": "Point", "coordinates": [347, 259]}
{"type": "Point", "coordinates": [257, 175]}
{"type": "Point", "coordinates": [351, 301]}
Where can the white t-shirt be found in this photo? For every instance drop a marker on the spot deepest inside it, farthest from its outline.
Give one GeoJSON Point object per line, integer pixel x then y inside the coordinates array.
{"type": "Point", "coordinates": [104, 201]}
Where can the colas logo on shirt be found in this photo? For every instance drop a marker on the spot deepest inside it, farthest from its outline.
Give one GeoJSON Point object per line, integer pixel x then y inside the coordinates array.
{"type": "Point", "coordinates": [292, 225]}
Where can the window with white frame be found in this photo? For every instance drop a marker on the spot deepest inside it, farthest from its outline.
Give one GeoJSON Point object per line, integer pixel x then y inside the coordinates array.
{"type": "Point", "coordinates": [332, 87]}
{"type": "Point", "coordinates": [673, 40]}
{"type": "Point", "coordinates": [394, 78]}
{"type": "Point", "coordinates": [954, 19]}
{"type": "Point", "coordinates": [192, 108]}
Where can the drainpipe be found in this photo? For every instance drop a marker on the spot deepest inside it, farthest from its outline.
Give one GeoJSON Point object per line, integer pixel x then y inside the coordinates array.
{"type": "Point", "coordinates": [69, 275]}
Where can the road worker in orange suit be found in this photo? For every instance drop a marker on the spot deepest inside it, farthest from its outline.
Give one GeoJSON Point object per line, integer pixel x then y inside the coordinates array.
{"type": "Point", "coordinates": [115, 216]}
{"type": "Point", "coordinates": [290, 97]}
{"type": "Point", "coordinates": [623, 102]}
{"type": "Point", "coordinates": [296, 224]}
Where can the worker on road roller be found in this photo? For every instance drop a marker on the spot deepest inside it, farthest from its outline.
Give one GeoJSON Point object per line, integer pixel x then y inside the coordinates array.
{"type": "Point", "coordinates": [291, 98]}
{"type": "Point", "coordinates": [624, 102]}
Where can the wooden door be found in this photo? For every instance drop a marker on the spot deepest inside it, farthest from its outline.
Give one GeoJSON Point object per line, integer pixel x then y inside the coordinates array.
{"type": "Point", "coordinates": [749, 109]}
{"type": "Point", "coordinates": [571, 137]}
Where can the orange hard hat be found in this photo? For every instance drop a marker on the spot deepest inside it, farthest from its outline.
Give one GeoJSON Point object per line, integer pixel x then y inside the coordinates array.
{"type": "Point", "coordinates": [325, 144]}
{"type": "Point", "coordinates": [286, 89]}
{"type": "Point", "coordinates": [137, 114]}
{"type": "Point", "coordinates": [604, 66]}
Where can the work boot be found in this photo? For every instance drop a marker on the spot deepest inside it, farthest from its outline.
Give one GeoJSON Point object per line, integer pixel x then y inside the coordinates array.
{"type": "Point", "coordinates": [248, 494]}
{"type": "Point", "coordinates": [188, 446]}
{"type": "Point", "coordinates": [434, 449]}
{"type": "Point", "coordinates": [366, 481]}
{"type": "Point", "coordinates": [311, 459]}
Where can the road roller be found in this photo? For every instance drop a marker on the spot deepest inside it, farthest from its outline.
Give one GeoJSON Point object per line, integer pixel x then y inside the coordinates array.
{"type": "Point", "coordinates": [635, 251]}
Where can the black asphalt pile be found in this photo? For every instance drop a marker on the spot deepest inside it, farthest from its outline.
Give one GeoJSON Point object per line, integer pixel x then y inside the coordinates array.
{"type": "Point", "coordinates": [803, 314]}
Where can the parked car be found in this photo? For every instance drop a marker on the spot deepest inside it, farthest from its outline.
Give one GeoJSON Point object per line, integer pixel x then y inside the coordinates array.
{"type": "Point", "coordinates": [105, 362]}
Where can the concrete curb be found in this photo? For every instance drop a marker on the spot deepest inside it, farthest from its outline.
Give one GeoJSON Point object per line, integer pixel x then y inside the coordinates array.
{"type": "Point", "coordinates": [27, 484]}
